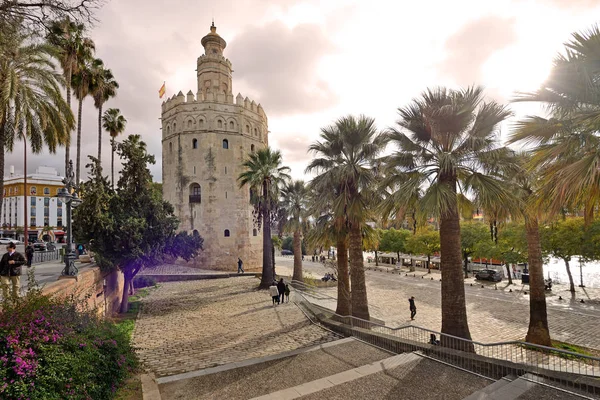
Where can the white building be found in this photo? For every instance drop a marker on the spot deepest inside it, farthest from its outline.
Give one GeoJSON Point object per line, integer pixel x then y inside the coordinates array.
{"type": "Point", "coordinates": [43, 208]}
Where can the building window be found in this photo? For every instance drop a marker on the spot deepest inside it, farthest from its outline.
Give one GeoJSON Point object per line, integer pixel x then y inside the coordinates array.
{"type": "Point", "coordinates": [32, 221]}
{"type": "Point", "coordinates": [46, 190]}
{"type": "Point", "coordinates": [226, 233]}
{"type": "Point", "coordinates": [225, 194]}
{"type": "Point", "coordinates": [189, 124]}
{"type": "Point", "coordinates": [59, 203]}
{"type": "Point", "coordinates": [59, 212]}
{"type": "Point", "coordinates": [255, 132]}
{"type": "Point", "coordinates": [196, 233]}
{"type": "Point", "coordinates": [252, 148]}
{"type": "Point", "coordinates": [254, 232]}
{"type": "Point", "coordinates": [201, 123]}
{"type": "Point", "coordinates": [33, 191]}
{"type": "Point", "coordinates": [46, 221]}
{"type": "Point", "coordinates": [225, 143]}
{"type": "Point", "coordinates": [33, 201]}
{"type": "Point", "coordinates": [170, 147]}
{"type": "Point", "coordinates": [225, 170]}
{"type": "Point", "coordinates": [33, 212]}
{"type": "Point", "coordinates": [195, 193]}
{"type": "Point", "coordinates": [247, 128]}
{"type": "Point", "coordinates": [219, 123]}
{"type": "Point", "coordinates": [168, 130]}
{"type": "Point", "coordinates": [59, 222]}
{"type": "Point", "coordinates": [194, 170]}
{"type": "Point", "coordinates": [231, 125]}
{"type": "Point", "coordinates": [174, 127]}
{"type": "Point", "coordinates": [46, 201]}
{"type": "Point", "coordinates": [194, 143]}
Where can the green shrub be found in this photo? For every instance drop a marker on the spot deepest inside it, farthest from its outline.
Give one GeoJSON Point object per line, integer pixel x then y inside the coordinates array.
{"type": "Point", "coordinates": [53, 348]}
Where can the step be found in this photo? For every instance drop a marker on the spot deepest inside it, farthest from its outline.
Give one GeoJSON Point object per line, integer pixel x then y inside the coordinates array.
{"type": "Point", "coordinates": [483, 393]}
{"type": "Point", "coordinates": [316, 387]}
{"type": "Point", "coordinates": [513, 390]}
{"type": "Point", "coordinates": [258, 377]}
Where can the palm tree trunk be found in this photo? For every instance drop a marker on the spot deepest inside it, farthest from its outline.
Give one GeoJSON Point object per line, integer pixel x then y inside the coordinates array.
{"type": "Point", "coordinates": [77, 173]}
{"type": "Point", "coordinates": [376, 259]}
{"type": "Point", "coordinates": [466, 264]}
{"type": "Point", "coordinates": [358, 288]}
{"type": "Point", "coordinates": [571, 284]}
{"type": "Point", "coordinates": [268, 273]}
{"type": "Point", "coordinates": [2, 158]}
{"type": "Point", "coordinates": [297, 247]}
{"type": "Point", "coordinates": [112, 162]}
{"type": "Point", "coordinates": [510, 282]}
{"type": "Point", "coordinates": [68, 143]}
{"type": "Point", "coordinates": [454, 310]}
{"type": "Point", "coordinates": [588, 213]}
{"type": "Point", "coordinates": [538, 331]}
{"type": "Point", "coordinates": [343, 286]}
{"type": "Point", "coordinates": [100, 135]}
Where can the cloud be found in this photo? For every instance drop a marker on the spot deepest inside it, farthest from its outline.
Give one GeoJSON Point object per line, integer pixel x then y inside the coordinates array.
{"type": "Point", "coordinates": [571, 3]}
{"type": "Point", "coordinates": [279, 64]}
{"type": "Point", "coordinates": [469, 48]}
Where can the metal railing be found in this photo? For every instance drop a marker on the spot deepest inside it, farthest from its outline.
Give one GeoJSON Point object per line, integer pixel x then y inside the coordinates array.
{"type": "Point", "coordinates": [43, 256]}
{"type": "Point", "coordinates": [318, 295]}
{"type": "Point", "coordinates": [563, 369]}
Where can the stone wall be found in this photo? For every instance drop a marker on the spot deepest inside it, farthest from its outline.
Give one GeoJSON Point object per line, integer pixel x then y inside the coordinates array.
{"type": "Point", "coordinates": [105, 290]}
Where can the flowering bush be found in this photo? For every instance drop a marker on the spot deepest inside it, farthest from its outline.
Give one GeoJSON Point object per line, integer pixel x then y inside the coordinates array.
{"type": "Point", "coordinates": [53, 348]}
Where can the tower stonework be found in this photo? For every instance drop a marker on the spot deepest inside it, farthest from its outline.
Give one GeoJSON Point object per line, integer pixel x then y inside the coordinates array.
{"type": "Point", "coordinates": [205, 138]}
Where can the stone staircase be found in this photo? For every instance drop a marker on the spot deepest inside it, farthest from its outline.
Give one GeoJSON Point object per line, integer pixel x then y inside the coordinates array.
{"type": "Point", "coordinates": [349, 369]}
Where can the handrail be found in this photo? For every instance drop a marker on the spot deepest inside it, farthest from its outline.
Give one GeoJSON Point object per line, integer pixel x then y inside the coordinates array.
{"type": "Point", "coordinates": [515, 342]}
{"type": "Point", "coordinates": [313, 290]}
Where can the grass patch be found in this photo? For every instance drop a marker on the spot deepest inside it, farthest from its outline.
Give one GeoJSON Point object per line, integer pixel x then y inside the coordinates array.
{"type": "Point", "coordinates": [131, 389]}
{"type": "Point", "coordinates": [572, 348]}
{"type": "Point", "coordinates": [567, 347]}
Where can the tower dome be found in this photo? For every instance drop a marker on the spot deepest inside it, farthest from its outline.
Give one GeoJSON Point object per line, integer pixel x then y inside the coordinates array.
{"type": "Point", "coordinates": [213, 43]}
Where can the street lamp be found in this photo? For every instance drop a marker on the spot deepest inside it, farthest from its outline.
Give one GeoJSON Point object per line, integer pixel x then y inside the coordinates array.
{"type": "Point", "coordinates": [68, 195]}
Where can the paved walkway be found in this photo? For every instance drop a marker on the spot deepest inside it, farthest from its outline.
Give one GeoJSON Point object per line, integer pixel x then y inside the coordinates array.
{"type": "Point", "coordinates": [494, 315]}
{"type": "Point", "coordinates": [192, 325]}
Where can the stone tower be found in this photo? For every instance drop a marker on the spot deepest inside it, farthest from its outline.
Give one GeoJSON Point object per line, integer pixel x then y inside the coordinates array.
{"type": "Point", "coordinates": [204, 141]}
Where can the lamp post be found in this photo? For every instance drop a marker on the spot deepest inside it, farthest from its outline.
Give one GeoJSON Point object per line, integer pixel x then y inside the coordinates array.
{"type": "Point", "coordinates": [68, 195]}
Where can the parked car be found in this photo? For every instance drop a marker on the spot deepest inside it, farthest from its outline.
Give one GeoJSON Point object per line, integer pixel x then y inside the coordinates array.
{"type": "Point", "coordinates": [39, 245]}
{"type": "Point", "coordinates": [488, 275]}
{"type": "Point", "coordinates": [287, 253]}
{"type": "Point", "coordinates": [5, 240]}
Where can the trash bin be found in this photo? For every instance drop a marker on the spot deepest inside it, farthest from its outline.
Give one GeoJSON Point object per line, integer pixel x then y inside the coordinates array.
{"type": "Point", "coordinates": [525, 278]}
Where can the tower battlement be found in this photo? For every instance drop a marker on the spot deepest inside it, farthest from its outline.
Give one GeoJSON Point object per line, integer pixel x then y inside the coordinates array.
{"type": "Point", "coordinates": [210, 97]}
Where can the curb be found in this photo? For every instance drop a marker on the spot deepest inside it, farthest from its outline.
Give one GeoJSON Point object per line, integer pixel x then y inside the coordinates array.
{"type": "Point", "coordinates": [149, 387]}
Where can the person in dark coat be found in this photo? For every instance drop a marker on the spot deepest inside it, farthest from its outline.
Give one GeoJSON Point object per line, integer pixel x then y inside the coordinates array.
{"type": "Point", "coordinates": [29, 254]}
{"type": "Point", "coordinates": [281, 289]}
{"type": "Point", "coordinates": [240, 265]}
{"type": "Point", "coordinates": [10, 270]}
{"type": "Point", "coordinates": [413, 307]}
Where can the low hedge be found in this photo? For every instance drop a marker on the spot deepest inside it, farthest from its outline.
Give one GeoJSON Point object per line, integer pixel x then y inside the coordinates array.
{"type": "Point", "coordinates": [52, 348]}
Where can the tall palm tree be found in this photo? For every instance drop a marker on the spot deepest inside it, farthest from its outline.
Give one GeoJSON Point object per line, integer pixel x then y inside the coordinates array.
{"type": "Point", "coordinates": [104, 86]}
{"type": "Point", "coordinates": [82, 83]}
{"type": "Point", "coordinates": [114, 123]}
{"type": "Point", "coordinates": [447, 142]}
{"type": "Point", "coordinates": [264, 174]}
{"type": "Point", "coordinates": [68, 37]}
{"type": "Point", "coordinates": [344, 161]}
{"type": "Point", "coordinates": [566, 144]}
{"type": "Point", "coordinates": [294, 195]}
{"type": "Point", "coordinates": [31, 106]}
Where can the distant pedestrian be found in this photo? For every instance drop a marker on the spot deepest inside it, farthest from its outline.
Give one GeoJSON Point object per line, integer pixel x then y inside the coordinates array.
{"type": "Point", "coordinates": [287, 293]}
{"type": "Point", "coordinates": [281, 289]}
{"type": "Point", "coordinates": [274, 292]}
{"type": "Point", "coordinates": [10, 270]}
{"type": "Point", "coordinates": [240, 265]}
{"type": "Point", "coordinates": [29, 254]}
{"type": "Point", "coordinates": [413, 308]}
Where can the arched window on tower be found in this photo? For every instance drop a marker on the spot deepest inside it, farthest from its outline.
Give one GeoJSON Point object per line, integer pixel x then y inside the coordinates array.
{"type": "Point", "coordinates": [195, 193]}
{"type": "Point", "coordinates": [190, 124]}
{"type": "Point", "coordinates": [255, 132]}
{"type": "Point", "coordinates": [168, 129]}
{"type": "Point", "coordinates": [194, 143]}
{"type": "Point", "coordinates": [254, 232]}
{"type": "Point", "coordinates": [226, 233]}
{"type": "Point", "coordinates": [247, 128]}
{"type": "Point", "coordinates": [225, 143]}
{"type": "Point", "coordinates": [252, 148]}
{"type": "Point", "coordinates": [201, 123]}
{"type": "Point", "coordinates": [219, 123]}
{"type": "Point", "coordinates": [231, 125]}
{"type": "Point", "coordinates": [170, 147]}
{"type": "Point", "coordinates": [174, 127]}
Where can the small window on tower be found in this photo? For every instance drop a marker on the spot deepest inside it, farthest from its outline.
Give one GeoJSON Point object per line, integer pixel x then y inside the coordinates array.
{"type": "Point", "coordinates": [201, 123]}
{"type": "Point", "coordinates": [226, 233]}
{"type": "Point", "coordinates": [231, 125]}
{"type": "Point", "coordinates": [254, 232]}
{"type": "Point", "coordinates": [170, 147]}
{"type": "Point", "coordinates": [219, 123]}
{"type": "Point", "coordinates": [255, 132]}
{"type": "Point", "coordinates": [252, 148]}
{"type": "Point", "coordinates": [195, 143]}
{"type": "Point", "coordinates": [190, 124]}
{"type": "Point", "coordinates": [225, 143]}
{"type": "Point", "coordinates": [174, 127]}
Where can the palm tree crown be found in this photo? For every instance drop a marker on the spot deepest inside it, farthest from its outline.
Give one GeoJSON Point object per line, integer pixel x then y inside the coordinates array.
{"type": "Point", "coordinates": [103, 87]}
{"type": "Point", "coordinates": [114, 123]}
{"type": "Point", "coordinates": [294, 195]}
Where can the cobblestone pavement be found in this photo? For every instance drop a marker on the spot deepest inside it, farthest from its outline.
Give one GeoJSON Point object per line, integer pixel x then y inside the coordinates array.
{"type": "Point", "coordinates": [186, 326]}
{"type": "Point", "coordinates": [494, 315]}
{"type": "Point", "coordinates": [174, 269]}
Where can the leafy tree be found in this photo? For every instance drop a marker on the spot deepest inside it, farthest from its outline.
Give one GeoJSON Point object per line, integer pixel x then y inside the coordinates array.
{"type": "Point", "coordinates": [114, 123]}
{"type": "Point", "coordinates": [294, 195]}
{"type": "Point", "coordinates": [264, 175]}
{"type": "Point", "coordinates": [512, 246]}
{"type": "Point", "coordinates": [67, 36]}
{"type": "Point", "coordinates": [563, 239]}
{"type": "Point", "coordinates": [394, 241]}
{"type": "Point", "coordinates": [37, 15]}
{"type": "Point", "coordinates": [344, 159]}
{"type": "Point", "coordinates": [103, 87]}
{"type": "Point", "coordinates": [472, 236]}
{"type": "Point", "coordinates": [426, 241]}
{"type": "Point", "coordinates": [591, 242]}
{"type": "Point", "coordinates": [130, 228]}
{"type": "Point", "coordinates": [31, 106]}
{"type": "Point", "coordinates": [447, 142]}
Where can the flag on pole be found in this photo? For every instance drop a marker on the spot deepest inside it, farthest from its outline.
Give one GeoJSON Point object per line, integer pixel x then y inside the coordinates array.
{"type": "Point", "coordinates": [162, 90]}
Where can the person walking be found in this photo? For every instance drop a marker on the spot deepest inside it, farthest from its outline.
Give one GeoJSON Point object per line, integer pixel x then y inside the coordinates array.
{"type": "Point", "coordinates": [281, 289]}
{"type": "Point", "coordinates": [10, 270]}
{"type": "Point", "coordinates": [29, 254]}
{"type": "Point", "coordinates": [287, 293]}
{"type": "Point", "coordinates": [274, 292]}
{"type": "Point", "coordinates": [240, 266]}
{"type": "Point", "coordinates": [413, 308]}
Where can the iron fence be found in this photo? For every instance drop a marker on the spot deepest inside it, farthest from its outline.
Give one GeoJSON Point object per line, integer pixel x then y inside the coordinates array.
{"type": "Point", "coordinates": [559, 368]}
{"type": "Point", "coordinates": [43, 256]}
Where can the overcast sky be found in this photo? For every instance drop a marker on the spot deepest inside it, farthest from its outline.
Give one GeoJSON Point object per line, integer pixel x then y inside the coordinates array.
{"type": "Point", "coordinates": [310, 62]}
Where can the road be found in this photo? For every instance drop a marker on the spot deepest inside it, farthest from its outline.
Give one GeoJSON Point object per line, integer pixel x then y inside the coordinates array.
{"type": "Point", "coordinates": [494, 314]}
